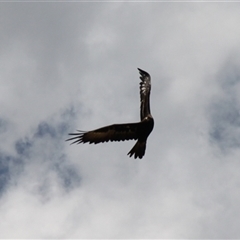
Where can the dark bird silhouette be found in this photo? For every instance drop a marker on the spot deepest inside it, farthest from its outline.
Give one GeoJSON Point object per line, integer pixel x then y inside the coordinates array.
{"type": "Point", "coordinates": [121, 132]}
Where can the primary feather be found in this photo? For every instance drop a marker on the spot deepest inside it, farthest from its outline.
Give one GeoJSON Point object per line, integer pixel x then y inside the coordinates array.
{"type": "Point", "coordinates": [115, 132]}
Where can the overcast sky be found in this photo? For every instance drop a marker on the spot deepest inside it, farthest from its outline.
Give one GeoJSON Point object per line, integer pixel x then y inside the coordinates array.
{"type": "Point", "coordinates": [68, 66]}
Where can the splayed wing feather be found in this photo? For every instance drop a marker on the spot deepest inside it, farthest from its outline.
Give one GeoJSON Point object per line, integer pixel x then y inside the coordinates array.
{"type": "Point", "coordinates": [115, 132]}
{"type": "Point", "coordinates": [145, 89]}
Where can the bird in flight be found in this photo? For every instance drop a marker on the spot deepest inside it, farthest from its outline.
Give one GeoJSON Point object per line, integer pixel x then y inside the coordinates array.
{"type": "Point", "coordinates": [127, 131]}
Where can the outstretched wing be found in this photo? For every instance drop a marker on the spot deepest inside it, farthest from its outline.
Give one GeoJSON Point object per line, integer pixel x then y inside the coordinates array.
{"type": "Point", "coordinates": [145, 88]}
{"type": "Point", "coordinates": [115, 132]}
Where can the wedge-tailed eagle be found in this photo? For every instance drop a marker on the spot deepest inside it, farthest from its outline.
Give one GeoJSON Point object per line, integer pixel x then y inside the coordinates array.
{"type": "Point", "coordinates": [120, 132]}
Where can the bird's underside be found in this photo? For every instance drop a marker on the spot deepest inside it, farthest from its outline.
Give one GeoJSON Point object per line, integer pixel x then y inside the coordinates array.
{"type": "Point", "coordinates": [128, 131]}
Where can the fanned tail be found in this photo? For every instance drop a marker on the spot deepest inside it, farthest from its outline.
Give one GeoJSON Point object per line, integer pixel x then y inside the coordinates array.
{"type": "Point", "coordinates": [138, 150]}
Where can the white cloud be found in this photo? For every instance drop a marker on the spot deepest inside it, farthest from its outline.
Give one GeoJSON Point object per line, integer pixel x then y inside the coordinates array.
{"type": "Point", "coordinates": [68, 66]}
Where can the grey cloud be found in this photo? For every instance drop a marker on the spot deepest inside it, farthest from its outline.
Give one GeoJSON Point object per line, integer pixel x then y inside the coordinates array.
{"type": "Point", "coordinates": [68, 66]}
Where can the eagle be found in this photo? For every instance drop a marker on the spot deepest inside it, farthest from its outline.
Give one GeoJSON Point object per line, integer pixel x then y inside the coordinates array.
{"type": "Point", "coordinates": [127, 131]}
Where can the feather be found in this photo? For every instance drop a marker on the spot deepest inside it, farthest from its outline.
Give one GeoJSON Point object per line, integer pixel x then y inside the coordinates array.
{"type": "Point", "coordinates": [115, 132]}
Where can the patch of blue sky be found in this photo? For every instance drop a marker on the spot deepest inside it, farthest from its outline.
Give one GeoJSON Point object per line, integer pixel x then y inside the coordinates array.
{"type": "Point", "coordinates": [225, 110]}
{"type": "Point", "coordinates": [10, 169]}
{"type": "Point", "coordinates": [67, 173]}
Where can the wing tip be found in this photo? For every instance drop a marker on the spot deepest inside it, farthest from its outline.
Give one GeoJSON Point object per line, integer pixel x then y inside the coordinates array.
{"type": "Point", "coordinates": [78, 137]}
{"type": "Point", "coordinates": [143, 73]}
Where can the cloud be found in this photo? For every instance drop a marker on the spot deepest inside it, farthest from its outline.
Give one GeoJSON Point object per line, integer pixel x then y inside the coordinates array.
{"type": "Point", "coordinates": [68, 66]}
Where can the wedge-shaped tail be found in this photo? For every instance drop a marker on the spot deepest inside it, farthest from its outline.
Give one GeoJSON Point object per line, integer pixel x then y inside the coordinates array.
{"type": "Point", "coordinates": [138, 149]}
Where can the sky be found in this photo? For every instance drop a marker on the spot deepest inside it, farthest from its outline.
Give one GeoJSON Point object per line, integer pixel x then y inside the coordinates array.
{"type": "Point", "coordinates": [68, 66]}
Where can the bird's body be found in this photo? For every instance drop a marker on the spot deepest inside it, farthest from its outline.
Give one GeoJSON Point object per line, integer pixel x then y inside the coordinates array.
{"type": "Point", "coordinates": [128, 131]}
